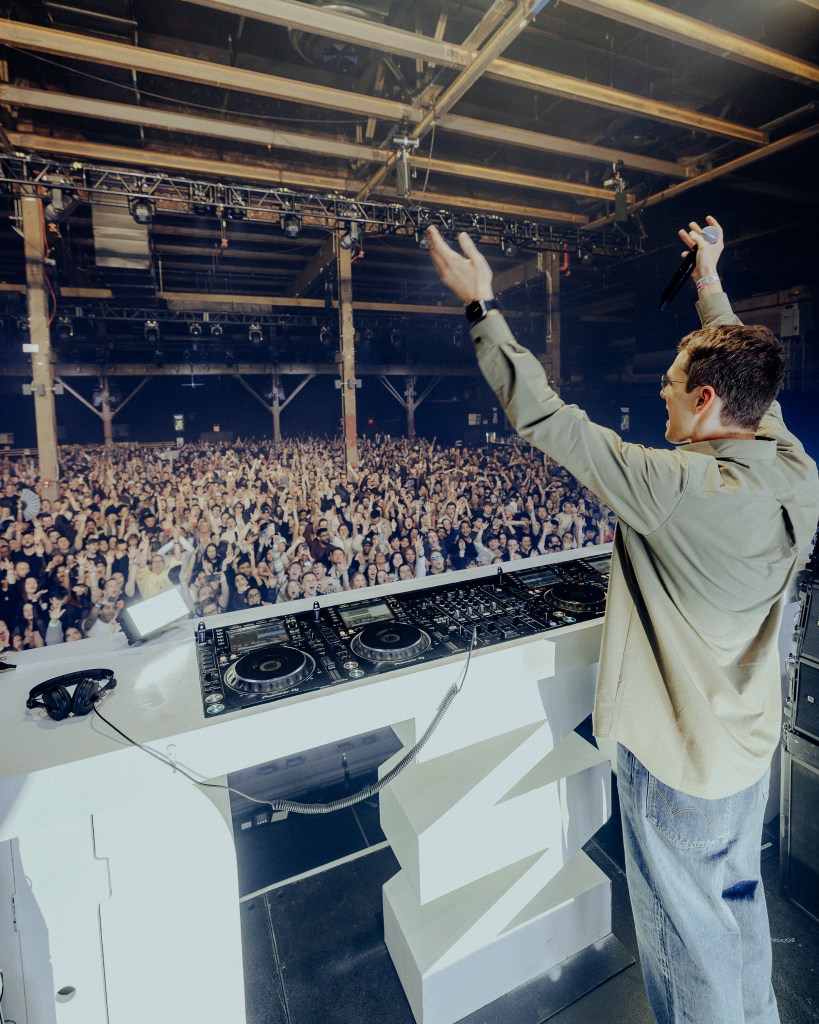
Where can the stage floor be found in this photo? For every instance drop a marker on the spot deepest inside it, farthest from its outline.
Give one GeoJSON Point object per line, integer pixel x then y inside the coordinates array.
{"type": "Point", "coordinates": [312, 931]}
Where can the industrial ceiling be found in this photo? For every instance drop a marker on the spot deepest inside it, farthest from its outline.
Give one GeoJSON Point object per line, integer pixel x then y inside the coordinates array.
{"type": "Point", "coordinates": [566, 127]}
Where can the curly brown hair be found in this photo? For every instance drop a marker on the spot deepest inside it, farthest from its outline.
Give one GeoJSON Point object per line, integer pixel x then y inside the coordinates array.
{"type": "Point", "coordinates": [744, 364]}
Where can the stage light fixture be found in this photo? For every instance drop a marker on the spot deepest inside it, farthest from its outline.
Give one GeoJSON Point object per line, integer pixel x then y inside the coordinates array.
{"type": "Point", "coordinates": [142, 209]}
{"type": "Point", "coordinates": [254, 334]}
{"type": "Point", "coordinates": [396, 338]}
{"type": "Point", "coordinates": [403, 172]}
{"type": "Point", "coordinates": [325, 336]}
{"type": "Point", "coordinates": [195, 329]}
{"type": "Point", "coordinates": [65, 329]}
{"type": "Point", "coordinates": [509, 246]}
{"type": "Point", "coordinates": [22, 323]}
{"type": "Point", "coordinates": [216, 330]}
{"type": "Point", "coordinates": [291, 225]}
{"type": "Point", "coordinates": [159, 358]}
{"type": "Point", "coordinates": [202, 203]}
{"type": "Point", "coordinates": [230, 358]}
{"type": "Point", "coordinates": [62, 205]}
{"type": "Point", "coordinates": [151, 330]}
{"type": "Point", "coordinates": [236, 204]}
{"type": "Point", "coordinates": [351, 239]}
{"type": "Point", "coordinates": [421, 238]}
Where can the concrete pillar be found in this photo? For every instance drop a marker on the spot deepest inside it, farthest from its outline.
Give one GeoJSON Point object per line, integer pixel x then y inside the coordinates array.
{"type": "Point", "coordinates": [551, 360]}
{"type": "Point", "coordinates": [346, 355]}
{"type": "Point", "coordinates": [409, 395]}
{"type": "Point", "coordinates": [276, 408]}
{"type": "Point", "coordinates": [42, 375]}
{"type": "Point", "coordinates": [106, 415]}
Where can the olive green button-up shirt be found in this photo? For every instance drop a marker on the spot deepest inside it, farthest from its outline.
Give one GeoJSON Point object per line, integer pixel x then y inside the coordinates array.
{"type": "Point", "coordinates": [708, 535]}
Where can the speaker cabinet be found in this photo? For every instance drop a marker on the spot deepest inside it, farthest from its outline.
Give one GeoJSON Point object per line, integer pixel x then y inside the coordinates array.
{"type": "Point", "coordinates": [808, 631]}
{"type": "Point", "coordinates": [799, 824]}
{"type": "Point", "coordinates": [805, 700]}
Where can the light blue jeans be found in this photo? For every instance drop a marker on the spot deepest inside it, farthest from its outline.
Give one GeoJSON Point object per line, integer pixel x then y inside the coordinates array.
{"type": "Point", "coordinates": [693, 869]}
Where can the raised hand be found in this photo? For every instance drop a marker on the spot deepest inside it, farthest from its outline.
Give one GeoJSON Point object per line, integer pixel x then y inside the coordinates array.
{"type": "Point", "coordinates": [708, 253]}
{"type": "Point", "coordinates": [468, 276]}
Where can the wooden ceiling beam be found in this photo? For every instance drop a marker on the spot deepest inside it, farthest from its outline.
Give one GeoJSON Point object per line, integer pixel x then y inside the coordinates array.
{"type": "Point", "coordinates": [350, 29]}
{"type": "Point", "coordinates": [506, 177]}
{"type": "Point", "coordinates": [202, 72]}
{"type": "Point", "coordinates": [699, 35]}
{"type": "Point", "coordinates": [499, 134]}
{"type": "Point", "coordinates": [166, 120]}
{"type": "Point", "coordinates": [284, 301]}
{"type": "Point", "coordinates": [582, 91]}
{"type": "Point", "coordinates": [316, 267]}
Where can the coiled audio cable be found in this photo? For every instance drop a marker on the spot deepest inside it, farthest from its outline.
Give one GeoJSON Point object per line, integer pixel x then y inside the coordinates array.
{"type": "Point", "coordinates": [294, 807]}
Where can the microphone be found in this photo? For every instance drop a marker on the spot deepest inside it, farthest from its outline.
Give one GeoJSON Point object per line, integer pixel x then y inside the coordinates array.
{"type": "Point", "coordinates": [683, 272]}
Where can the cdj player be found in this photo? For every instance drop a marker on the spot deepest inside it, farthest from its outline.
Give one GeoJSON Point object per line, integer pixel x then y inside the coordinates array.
{"type": "Point", "coordinates": [252, 663]}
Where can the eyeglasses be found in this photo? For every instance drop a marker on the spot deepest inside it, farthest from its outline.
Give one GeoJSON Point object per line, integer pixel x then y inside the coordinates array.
{"type": "Point", "coordinates": [665, 380]}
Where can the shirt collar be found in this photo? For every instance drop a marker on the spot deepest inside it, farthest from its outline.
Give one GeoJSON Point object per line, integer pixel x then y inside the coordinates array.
{"type": "Point", "coordinates": [761, 447]}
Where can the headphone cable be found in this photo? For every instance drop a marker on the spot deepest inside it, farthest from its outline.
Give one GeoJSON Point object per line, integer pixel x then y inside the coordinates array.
{"type": "Point", "coordinates": [295, 807]}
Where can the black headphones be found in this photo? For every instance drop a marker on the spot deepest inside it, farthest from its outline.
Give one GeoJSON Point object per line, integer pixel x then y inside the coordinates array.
{"type": "Point", "coordinates": [53, 699]}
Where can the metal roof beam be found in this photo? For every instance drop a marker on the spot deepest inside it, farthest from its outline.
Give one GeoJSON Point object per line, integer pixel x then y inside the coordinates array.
{"type": "Point", "coordinates": [204, 72]}
{"type": "Point", "coordinates": [700, 35]}
{"type": "Point", "coordinates": [152, 61]}
{"type": "Point", "coordinates": [717, 172]}
{"type": "Point", "coordinates": [391, 40]}
{"type": "Point", "coordinates": [516, 22]}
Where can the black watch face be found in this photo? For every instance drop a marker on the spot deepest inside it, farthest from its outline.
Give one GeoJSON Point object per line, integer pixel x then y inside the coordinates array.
{"type": "Point", "coordinates": [474, 311]}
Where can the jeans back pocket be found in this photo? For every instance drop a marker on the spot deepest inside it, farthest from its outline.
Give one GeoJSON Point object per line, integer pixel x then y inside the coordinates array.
{"type": "Point", "coordinates": [687, 821]}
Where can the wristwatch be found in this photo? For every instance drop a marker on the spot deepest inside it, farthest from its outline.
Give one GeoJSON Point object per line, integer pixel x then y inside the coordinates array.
{"type": "Point", "coordinates": [476, 310]}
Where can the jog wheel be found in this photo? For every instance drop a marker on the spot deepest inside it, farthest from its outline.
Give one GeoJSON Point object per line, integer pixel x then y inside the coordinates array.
{"type": "Point", "coordinates": [270, 669]}
{"type": "Point", "coordinates": [389, 642]}
{"type": "Point", "coordinates": [576, 597]}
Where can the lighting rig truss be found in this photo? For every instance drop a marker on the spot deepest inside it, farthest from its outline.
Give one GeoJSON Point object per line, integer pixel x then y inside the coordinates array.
{"type": "Point", "coordinates": [205, 320]}
{"type": "Point", "coordinates": [24, 173]}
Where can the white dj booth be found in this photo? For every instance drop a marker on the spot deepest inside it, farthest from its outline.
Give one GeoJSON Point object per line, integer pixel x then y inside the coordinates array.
{"type": "Point", "coordinates": [118, 880]}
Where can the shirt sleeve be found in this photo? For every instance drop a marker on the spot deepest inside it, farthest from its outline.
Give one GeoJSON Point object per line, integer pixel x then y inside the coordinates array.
{"type": "Point", "coordinates": [642, 485]}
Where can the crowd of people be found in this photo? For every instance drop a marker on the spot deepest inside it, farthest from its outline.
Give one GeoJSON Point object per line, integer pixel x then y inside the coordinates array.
{"type": "Point", "coordinates": [242, 525]}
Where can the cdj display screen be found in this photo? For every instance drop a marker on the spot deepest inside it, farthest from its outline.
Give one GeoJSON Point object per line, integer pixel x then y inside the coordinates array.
{"type": "Point", "coordinates": [543, 578]}
{"type": "Point", "coordinates": [602, 564]}
{"type": "Point", "coordinates": [257, 634]}
{"type": "Point", "coordinates": [365, 614]}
